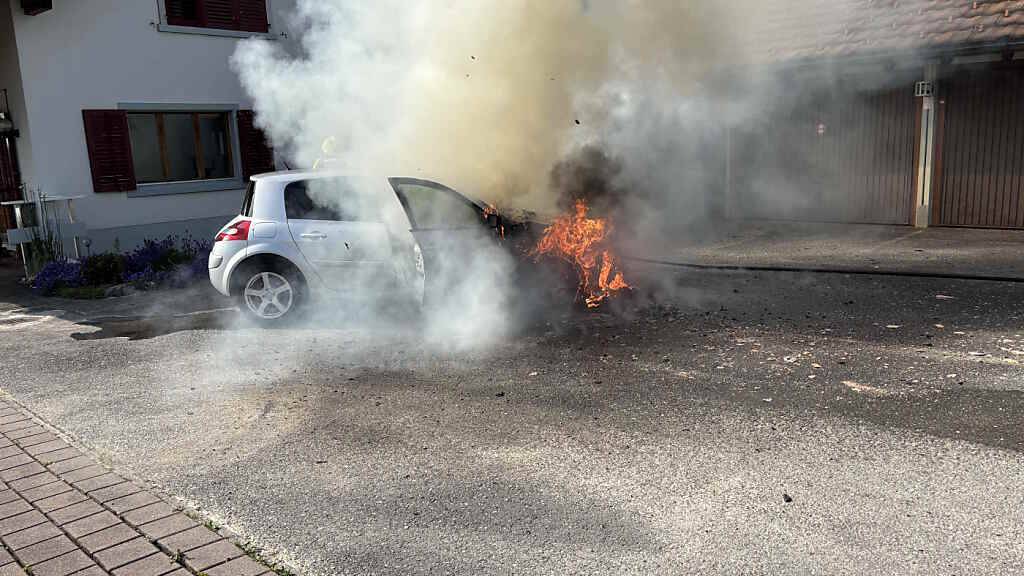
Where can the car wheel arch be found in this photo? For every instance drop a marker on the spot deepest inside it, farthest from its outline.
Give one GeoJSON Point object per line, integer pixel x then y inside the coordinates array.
{"type": "Point", "coordinates": [266, 260]}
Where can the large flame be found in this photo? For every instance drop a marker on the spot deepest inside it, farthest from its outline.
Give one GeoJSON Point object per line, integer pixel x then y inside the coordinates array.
{"type": "Point", "coordinates": [583, 242]}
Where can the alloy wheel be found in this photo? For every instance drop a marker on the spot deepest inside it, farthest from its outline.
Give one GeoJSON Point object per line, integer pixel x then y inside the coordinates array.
{"type": "Point", "coordinates": [269, 295]}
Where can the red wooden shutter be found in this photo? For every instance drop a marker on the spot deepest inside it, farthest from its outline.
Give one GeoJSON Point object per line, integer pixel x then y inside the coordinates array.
{"type": "Point", "coordinates": [183, 12]}
{"type": "Point", "coordinates": [252, 16]}
{"type": "Point", "coordinates": [257, 155]}
{"type": "Point", "coordinates": [110, 150]}
{"type": "Point", "coordinates": [222, 14]}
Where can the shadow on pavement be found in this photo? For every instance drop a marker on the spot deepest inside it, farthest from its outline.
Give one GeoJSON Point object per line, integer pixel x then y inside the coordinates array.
{"type": "Point", "coordinates": [142, 328]}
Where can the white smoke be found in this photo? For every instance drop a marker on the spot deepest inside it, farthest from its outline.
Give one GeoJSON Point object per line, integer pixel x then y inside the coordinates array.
{"type": "Point", "coordinates": [488, 95]}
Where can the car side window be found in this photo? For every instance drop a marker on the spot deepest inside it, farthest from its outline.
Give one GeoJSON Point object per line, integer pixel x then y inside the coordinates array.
{"type": "Point", "coordinates": [250, 192]}
{"type": "Point", "coordinates": [334, 199]}
{"type": "Point", "coordinates": [432, 207]}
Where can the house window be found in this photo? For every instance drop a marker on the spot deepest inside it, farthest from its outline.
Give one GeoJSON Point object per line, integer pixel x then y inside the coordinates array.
{"type": "Point", "coordinates": [180, 146]}
{"type": "Point", "coordinates": [241, 15]}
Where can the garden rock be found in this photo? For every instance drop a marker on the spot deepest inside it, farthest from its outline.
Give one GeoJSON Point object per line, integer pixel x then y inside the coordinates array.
{"type": "Point", "coordinates": [119, 290]}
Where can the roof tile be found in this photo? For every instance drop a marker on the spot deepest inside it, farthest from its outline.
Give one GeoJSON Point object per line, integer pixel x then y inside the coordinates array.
{"type": "Point", "coordinates": [823, 28]}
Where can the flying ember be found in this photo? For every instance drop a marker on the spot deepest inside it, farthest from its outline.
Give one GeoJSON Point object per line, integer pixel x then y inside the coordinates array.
{"type": "Point", "coordinates": [583, 242]}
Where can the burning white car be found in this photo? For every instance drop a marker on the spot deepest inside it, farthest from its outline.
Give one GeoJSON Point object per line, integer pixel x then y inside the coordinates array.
{"type": "Point", "coordinates": [302, 233]}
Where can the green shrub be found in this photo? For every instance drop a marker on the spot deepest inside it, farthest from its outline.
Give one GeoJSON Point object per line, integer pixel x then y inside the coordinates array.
{"type": "Point", "coordinates": [103, 269]}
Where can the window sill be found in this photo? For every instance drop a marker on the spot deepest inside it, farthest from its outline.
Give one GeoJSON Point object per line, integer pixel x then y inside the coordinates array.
{"type": "Point", "coordinates": [213, 32]}
{"type": "Point", "coordinates": [168, 188]}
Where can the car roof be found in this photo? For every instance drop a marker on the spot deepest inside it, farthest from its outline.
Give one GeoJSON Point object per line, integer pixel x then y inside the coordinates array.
{"type": "Point", "coordinates": [294, 175]}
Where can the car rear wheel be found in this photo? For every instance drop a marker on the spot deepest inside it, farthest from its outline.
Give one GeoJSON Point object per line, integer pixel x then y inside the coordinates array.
{"type": "Point", "coordinates": [270, 295]}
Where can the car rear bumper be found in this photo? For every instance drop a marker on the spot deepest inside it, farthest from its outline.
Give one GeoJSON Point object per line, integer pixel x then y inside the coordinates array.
{"type": "Point", "coordinates": [222, 260]}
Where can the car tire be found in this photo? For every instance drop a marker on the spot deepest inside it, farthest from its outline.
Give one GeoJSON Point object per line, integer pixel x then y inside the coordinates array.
{"type": "Point", "coordinates": [270, 294]}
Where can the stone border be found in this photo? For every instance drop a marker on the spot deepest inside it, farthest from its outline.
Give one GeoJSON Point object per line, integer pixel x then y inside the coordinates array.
{"type": "Point", "coordinates": [63, 514]}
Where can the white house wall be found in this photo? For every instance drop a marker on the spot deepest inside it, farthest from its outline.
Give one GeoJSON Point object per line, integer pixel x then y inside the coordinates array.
{"type": "Point", "coordinates": [87, 54]}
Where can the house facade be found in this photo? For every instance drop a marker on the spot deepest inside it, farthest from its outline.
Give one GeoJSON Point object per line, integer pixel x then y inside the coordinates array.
{"type": "Point", "coordinates": [884, 112]}
{"type": "Point", "coordinates": [131, 110]}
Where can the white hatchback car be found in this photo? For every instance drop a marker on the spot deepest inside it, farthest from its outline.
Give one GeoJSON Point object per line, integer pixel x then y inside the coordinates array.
{"type": "Point", "coordinates": [305, 232]}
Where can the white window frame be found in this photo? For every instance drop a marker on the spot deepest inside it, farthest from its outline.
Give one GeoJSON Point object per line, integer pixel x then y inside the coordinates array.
{"type": "Point", "coordinates": [163, 26]}
{"type": "Point", "coordinates": [191, 186]}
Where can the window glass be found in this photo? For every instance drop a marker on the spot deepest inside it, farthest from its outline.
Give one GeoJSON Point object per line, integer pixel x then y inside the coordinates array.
{"type": "Point", "coordinates": [432, 207]}
{"type": "Point", "coordinates": [213, 136]}
{"type": "Point", "coordinates": [145, 147]}
{"type": "Point", "coordinates": [181, 146]}
{"type": "Point", "coordinates": [336, 199]}
{"type": "Point", "coordinates": [179, 136]}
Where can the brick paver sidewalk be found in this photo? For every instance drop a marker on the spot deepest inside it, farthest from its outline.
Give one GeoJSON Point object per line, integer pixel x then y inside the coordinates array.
{"type": "Point", "coordinates": [63, 514]}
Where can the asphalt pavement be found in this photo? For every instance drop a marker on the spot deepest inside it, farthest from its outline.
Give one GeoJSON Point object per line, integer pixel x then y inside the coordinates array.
{"type": "Point", "coordinates": [720, 423]}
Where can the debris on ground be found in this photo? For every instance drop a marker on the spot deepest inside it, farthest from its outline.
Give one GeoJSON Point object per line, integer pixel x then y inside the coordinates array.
{"type": "Point", "coordinates": [864, 388]}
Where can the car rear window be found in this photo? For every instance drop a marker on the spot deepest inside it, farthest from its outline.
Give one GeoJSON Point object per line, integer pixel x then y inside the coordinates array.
{"type": "Point", "coordinates": [334, 199]}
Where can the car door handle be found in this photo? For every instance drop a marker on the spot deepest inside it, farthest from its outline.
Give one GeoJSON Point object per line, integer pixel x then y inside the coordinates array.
{"type": "Point", "coordinates": [314, 235]}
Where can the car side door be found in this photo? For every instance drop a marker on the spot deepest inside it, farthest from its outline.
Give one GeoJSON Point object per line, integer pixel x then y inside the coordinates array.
{"type": "Point", "coordinates": [449, 228]}
{"type": "Point", "coordinates": [335, 229]}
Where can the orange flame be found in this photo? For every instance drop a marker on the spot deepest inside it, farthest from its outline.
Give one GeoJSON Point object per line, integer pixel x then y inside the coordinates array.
{"type": "Point", "coordinates": [582, 242]}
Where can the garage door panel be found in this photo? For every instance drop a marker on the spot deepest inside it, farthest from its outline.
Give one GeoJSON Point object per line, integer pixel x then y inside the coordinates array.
{"type": "Point", "coordinates": [840, 156]}
{"type": "Point", "coordinates": [982, 149]}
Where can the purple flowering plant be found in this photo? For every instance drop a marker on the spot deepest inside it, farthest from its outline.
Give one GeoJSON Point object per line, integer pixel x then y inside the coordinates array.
{"type": "Point", "coordinates": [171, 262]}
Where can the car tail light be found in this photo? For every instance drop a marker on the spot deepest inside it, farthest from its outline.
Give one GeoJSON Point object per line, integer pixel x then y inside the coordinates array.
{"type": "Point", "coordinates": [237, 231]}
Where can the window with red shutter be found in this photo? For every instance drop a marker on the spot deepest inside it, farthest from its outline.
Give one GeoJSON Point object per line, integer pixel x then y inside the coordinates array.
{"type": "Point", "coordinates": [257, 155]}
{"type": "Point", "coordinates": [242, 15]}
{"type": "Point", "coordinates": [110, 150]}
{"type": "Point", "coordinates": [36, 7]}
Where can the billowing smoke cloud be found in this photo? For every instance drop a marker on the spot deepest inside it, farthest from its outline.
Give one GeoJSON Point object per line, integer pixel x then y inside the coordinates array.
{"type": "Point", "coordinates": [490, 96]}
{"type": "Point", "coordinates": [485, 95]}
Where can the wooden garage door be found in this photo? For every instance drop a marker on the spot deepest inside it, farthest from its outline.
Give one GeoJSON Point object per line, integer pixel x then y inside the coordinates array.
{"type": "Point", "coordinates": [839, 155]}
{"type": "Point", "coordinates": [981, 141]}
